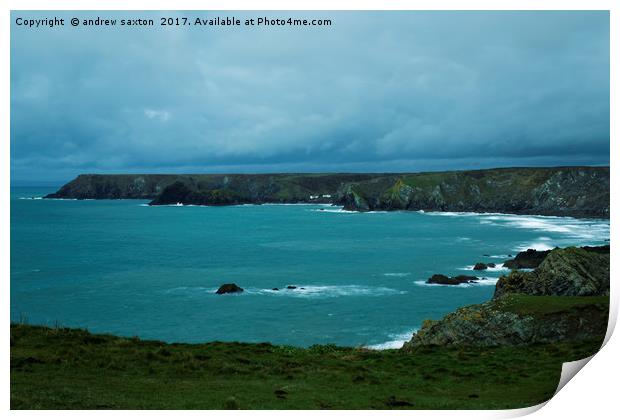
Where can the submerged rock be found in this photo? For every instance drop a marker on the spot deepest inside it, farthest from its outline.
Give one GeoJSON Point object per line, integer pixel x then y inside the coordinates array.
{"type": "Point", "coordinates": [480, 266]}
{"type": "Point", "coordinates": [229, 288]}
{"type": "Point", "coordinates": [451, 281]}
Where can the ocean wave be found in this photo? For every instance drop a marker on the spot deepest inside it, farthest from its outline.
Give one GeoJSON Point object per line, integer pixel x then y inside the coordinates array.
{"type": "Point", "coordinates": [582, 229]}
{"type": "Point", "coordinates": [538, 246]}
{"type": "Point", "coordinates": [184, 290]}
{"type": "Point", "coordinates": [498, 267]}
{"type": "Point", "coordinates": [396, 274]}
{"type": "Point", "coordinates": [338, 210]}
{"type": "Point", "coordinates": [330, 291]}
{"type": "Point", "coordinates": [30, 198]}
{"type": "Point", "coordinates": [485, 281]}
{"type": "Point", "coordinates": [291, 204]}
{"type": "Point", "coordinates": [568, 227]}
{"type": "Point", "coordinates": [396, 341]}
{"type": "Point", "coordinates": [458, 213]}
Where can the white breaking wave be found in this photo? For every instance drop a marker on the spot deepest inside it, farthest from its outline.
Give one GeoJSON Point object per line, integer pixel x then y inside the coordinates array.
{"type": "Point", "coordinates": [486, 281]}
{"type": "Point", "coordinates": [458, 213]}
{"type": "Point", "coordinates": [332, 291]}
{"type": "Point", "coordinates": [30, 198]}
{"type": "Point", "coordinates": [498, 267]}
{"type": "Point", "coordinates": [338, 210]}
{"type": "Point", "coordinates": [396, 274]}
{"type": "Point", "coordinates": [396, 341]}
{"type": "Point", "coordinates": [569, 227]}
{"type": "Point", "coordinates": [538, 246]}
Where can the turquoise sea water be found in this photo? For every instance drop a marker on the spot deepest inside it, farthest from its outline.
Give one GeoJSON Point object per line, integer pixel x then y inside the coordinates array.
{"type": "Point", "coordinates": [121, 267]}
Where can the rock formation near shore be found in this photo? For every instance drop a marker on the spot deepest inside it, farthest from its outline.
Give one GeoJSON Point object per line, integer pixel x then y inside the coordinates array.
{"type": "Point", "coordinates": [564, 272]}
{"type": "Point", "coordinates": [451, 281]}
{"type": "Point", "coordinates": [564, 298]}
{"type": "Point", "coordinates": [228, 288]}
{"type": "Point", "coordinates": [562, 191]}
{"type": "Point", "coordinates": [526, 259]}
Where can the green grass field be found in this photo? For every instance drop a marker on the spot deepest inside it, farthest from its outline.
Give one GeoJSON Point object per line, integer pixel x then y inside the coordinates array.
{"type": "Point", "coordinates": [54, 368]}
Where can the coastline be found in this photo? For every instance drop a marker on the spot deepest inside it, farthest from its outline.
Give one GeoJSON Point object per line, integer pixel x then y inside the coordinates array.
{"type": "Point", "coordinates": [581, 192]}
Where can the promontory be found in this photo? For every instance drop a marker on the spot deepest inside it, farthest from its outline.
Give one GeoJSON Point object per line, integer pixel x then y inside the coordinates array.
{"type": "Point", "coordinates": [559, 191]}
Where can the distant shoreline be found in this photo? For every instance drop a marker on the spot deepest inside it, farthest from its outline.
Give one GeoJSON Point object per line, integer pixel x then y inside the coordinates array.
{"type": "Point", "coordinates": [581, 192]}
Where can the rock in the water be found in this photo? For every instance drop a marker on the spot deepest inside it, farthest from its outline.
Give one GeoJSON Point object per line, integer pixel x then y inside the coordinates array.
{"type": "Point", "coordinates": [451, 281]}
{"type": "Point", "coordinates": [565, 272]}
{"type": "Point", "coordinates": [480, 266]}
{"type": "Point", "coordinates": [491, 265]}
{"type": "Point", "coordinates": [229, 288]}
{"type": "Point", "coordinates": [526, 259]}
{"type": "Point", "coordinates": [565, 298]}
{"type": "Point", "coordinates": [291, 287]}
{"type": "Point", "coordinates": [275, 288]}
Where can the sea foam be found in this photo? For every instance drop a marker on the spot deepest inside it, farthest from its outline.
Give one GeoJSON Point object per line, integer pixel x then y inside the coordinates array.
{"type": "Point", "coordinates": [396, 341]}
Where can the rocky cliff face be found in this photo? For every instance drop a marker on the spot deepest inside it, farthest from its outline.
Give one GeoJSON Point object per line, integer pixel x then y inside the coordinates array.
{"type": "Point", "coordinates": [518, 320]}
{"type": "Point", "coordinates": [565, 298]}
{"type": "Point", "coordinates": [564, 272]}
{"type": "Point", "coordinates": [570, 191]}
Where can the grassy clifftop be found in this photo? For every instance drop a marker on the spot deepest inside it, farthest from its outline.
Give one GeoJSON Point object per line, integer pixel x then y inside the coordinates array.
{"type": "Point", "coordinates": [564, 191]}
{"type": "Point", "coordinates": [53, 368]}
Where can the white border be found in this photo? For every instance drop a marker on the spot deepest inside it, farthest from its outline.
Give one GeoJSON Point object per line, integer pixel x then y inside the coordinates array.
{"type": "Point", "coordinates": [591, 394]}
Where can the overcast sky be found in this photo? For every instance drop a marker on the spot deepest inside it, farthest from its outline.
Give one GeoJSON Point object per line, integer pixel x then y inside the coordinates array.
{"type": "Point", "coordinates": [375, 91]}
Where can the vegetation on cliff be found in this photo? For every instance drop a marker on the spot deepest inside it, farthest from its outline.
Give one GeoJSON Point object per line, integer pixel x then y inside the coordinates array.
{"type": "Point", "coordinates": [566, 298]}
{"type": "Point", "coordinates": [563, 272]}
{"type": "Point", "coordinates": [563, 191]}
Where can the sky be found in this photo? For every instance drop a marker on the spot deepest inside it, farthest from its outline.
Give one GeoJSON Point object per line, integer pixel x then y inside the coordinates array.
{"type": "Point", "coordinates": [373, 92]}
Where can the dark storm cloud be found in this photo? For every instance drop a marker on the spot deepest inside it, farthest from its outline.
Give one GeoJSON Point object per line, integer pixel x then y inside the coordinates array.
{"type": "Point", "coordinates": [376, 91]}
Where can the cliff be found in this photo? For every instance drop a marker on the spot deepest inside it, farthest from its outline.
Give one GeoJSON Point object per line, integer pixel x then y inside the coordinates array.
{"type": "Point", "coordinates": [564, 191]}
{"type": "Point", "coordinates": [567, 191]}
{"type": "Point", "coordinates": [564, 272]}
{"type": "Point", "coordinates": [564, 299]}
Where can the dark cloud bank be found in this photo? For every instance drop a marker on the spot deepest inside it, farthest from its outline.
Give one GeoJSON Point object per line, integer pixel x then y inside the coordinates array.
{"type": "Point", "coordinates": [378, 91]}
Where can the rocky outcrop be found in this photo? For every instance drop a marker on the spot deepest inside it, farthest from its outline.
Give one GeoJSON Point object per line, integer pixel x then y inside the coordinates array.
{"type": "Point", "coordinates": [564, 272]}
{"type": "Point", "coordinates": [451, 281]}
{"type": "Point", "coordinates": [564, 298]}
{"type": "Point", "coordinates": [566, 191]}
{"type": "Point", "coordinates": [517, 320]}
{"type": "Point", "coordinates": [526, 259]}
{"type": "Point", "coordinates": [229, 288]}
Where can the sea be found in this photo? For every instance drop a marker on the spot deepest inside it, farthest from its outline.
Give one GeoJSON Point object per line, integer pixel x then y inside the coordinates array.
{"type": "Point", "coordinates": [125, 268]}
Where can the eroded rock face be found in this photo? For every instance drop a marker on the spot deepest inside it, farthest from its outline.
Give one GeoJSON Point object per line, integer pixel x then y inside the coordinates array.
{"type": "Point", "coordinates": [229, 288]}
{"type": "Point", "coordinates": [564, 298]}
{"type": "Point", "coordinates": [508, 322]}
{"type": "Point", "coordinates": [526, 259]}
{"type": "Point", "coordinates": [564, 272]}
